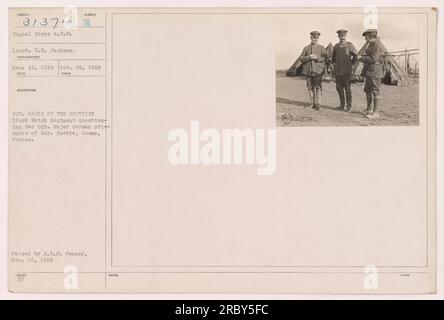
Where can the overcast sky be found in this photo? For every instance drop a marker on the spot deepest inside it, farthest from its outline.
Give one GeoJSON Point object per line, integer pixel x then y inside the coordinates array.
{"type": "Point", "coordinates": [292, 32]}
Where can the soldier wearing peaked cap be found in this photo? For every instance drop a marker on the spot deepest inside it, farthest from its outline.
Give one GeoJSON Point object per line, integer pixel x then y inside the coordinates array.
{"type": "Point", "coordinates": [370, 32]}
{"type": "Point", "coordinates": [313, 58]}
{"type": "Point", "coordinates": [343, 56]}
{"type": "Point", "coordinates": [372, 72]}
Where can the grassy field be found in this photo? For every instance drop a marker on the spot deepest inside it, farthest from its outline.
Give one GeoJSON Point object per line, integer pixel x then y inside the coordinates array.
{"type": "Point", "coordinates": [399, 107]}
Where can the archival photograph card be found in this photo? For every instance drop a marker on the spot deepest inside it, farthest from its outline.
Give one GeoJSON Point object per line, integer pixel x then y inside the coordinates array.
{"type": "Point", "coordinates": [222, 150]}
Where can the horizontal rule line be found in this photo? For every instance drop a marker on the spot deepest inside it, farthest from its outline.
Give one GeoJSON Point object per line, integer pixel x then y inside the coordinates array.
{"type": "Point", "coordinates": [254, 272]}
{"type": "Point", "coordinates": [257, 12]}
{"type": "Point", "coordinates": [57, 43]}
{"type": "Point", "coordinates": [60, 27]}
{"type": "Point", "coordinates": [116, 266]}
{"type": "Point", "coordinates": [55, 59]}
{"type": "Point", "coordinates": [56, 76]}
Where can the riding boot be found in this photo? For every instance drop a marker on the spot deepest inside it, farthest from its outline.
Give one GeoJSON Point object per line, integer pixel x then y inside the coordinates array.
{"type": "Point", "coordinates": [341, 99]}
{"type": "Point", "coordinates": [311, 95]}
{"type": "Point", "coordinates": [318, 92]}
{"type": "Point", "coordinates": [349, 101]}
{"type": "Point", "coordinates": [369, 109]}
{"type": "Point", "coordinates": [377, 104]}
{"type": "Point", "coordinates": [315, 99]}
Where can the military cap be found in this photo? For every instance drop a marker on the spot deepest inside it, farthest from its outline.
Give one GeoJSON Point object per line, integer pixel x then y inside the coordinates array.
{"type": "Point", "coordinates": [315, 33]}
{"type": "Point", "coordinates": [341, 31]}
{"type": "Point", "coordinates": [369, 31]}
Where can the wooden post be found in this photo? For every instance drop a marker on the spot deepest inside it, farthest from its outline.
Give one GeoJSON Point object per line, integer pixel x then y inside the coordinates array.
{"type": "Point", "coordinates": [406, 62]}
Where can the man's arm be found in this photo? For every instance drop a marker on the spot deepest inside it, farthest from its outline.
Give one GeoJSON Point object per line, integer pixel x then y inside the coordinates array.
{"type": "Point", "coordinates": [373, 56]}
{"type": "Point", "coordinates": [333, 55]}
{"type": "Point", "coordinates": [367, 59]}
{"type": "Point", "coordinates": [304, 57]}
{"type": "Point", "coordinates": [353, 52]}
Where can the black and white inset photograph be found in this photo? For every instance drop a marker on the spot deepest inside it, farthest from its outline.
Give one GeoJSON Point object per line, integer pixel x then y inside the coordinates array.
{"type": "Point", "coordinates": [347, 70]}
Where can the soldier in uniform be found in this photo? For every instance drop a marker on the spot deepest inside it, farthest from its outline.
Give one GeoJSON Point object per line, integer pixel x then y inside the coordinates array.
{"type": "Point", "coordinates": [343, 56]}
{"type": "Point", "coordinates": [313, 58]}
{"type": "Point", "coordinates": [372, 72]}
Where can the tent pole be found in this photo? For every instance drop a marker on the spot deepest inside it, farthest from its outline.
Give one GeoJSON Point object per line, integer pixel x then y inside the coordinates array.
{"type": "Point", "coordinates": [406, 62]}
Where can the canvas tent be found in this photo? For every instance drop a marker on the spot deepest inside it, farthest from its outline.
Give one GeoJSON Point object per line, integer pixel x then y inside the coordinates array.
{"type": "Point", "coordinates": [329, 49]}
{"type": "Point", "coordinates": [393, 73]}
{"type": "Point", "coordinates": [329, 71]}
{"type": "Point", "coordinates": [295, 69]}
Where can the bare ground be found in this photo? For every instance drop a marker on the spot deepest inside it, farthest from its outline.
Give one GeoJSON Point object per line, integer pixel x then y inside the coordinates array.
{"type": "Point", "coordinates": [399, 107]}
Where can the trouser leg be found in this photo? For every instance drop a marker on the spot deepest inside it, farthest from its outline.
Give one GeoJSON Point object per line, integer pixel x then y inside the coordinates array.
{"type": "Point", "coordinates": [340, 90]}
{"type": "Point", "coordinates": [348, 93]}
{"type": "Point", "coordinates": [368, 95]}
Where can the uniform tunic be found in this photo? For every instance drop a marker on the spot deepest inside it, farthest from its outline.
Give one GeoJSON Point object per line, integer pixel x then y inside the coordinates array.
{"type": "Point", "coordinates": [373, 60]}
{"type": "Point", "coordinates": [342, 57]}
{"type": "Point", "coordinates": [313, 67]}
